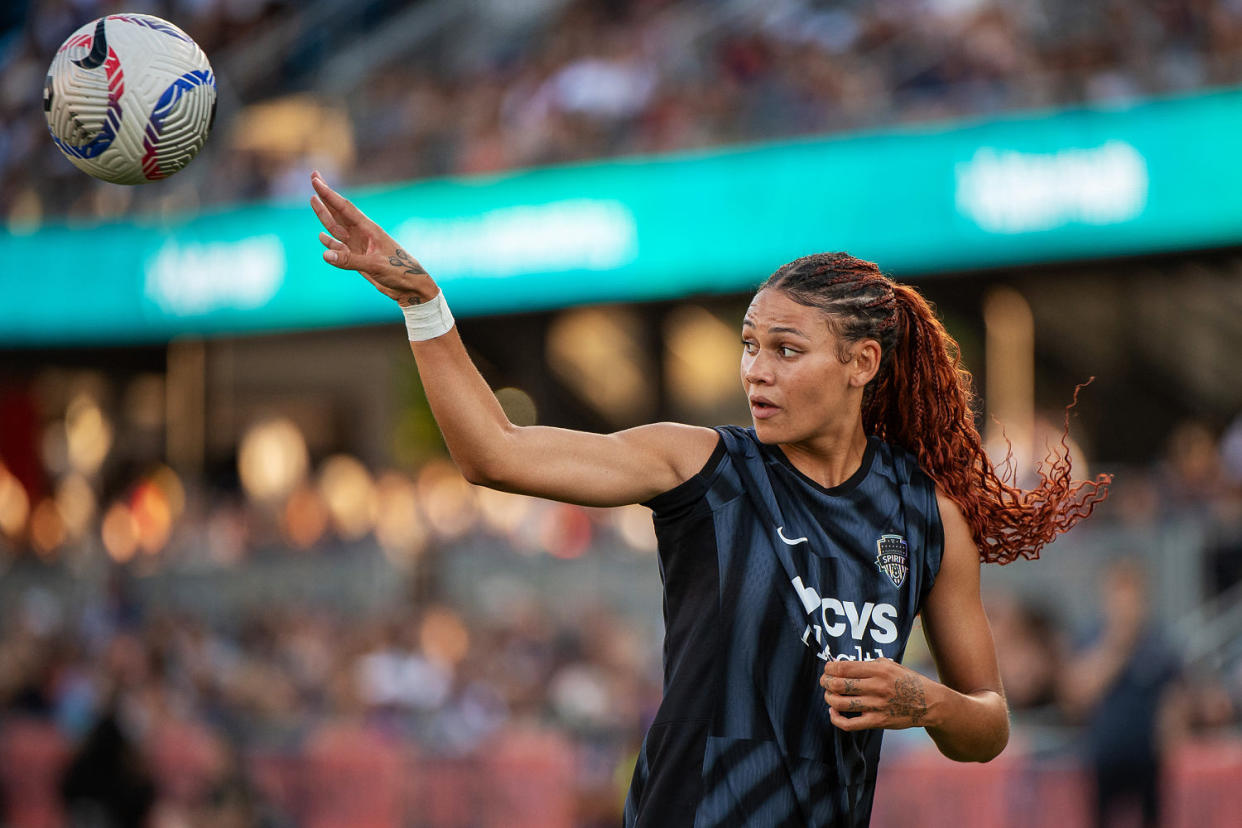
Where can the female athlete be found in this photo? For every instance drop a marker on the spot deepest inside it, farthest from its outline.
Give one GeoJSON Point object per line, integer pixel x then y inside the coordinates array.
{"type": "Point", "coordinates": [795, 554]}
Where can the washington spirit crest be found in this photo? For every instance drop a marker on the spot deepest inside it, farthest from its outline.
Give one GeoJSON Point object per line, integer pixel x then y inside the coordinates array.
{"type": "Point", "coordinates": [893, 558]}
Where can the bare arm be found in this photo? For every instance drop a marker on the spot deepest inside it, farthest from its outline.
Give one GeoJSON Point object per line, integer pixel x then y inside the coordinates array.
{"type": "Point", "coordinates": [965, 713]}
{"type": "Point", "coordinates": [1092, 674]}
{"type": "Point", "coordinates": [572, 466]}
{"type": "Point", "coordinates": [970, 722]}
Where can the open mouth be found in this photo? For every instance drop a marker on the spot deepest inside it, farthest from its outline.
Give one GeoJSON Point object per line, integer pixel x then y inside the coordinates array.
{"type": "Point", "coordinates": [762, 408]}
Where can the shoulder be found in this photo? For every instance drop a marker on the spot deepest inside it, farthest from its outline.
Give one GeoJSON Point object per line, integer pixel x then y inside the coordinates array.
{"type": "Point", "coordinates": [950, 512]}
{"type": "Point", "coordinates": [694, 454]}
{"type": "Point", "coordinates": [959, 544]}
{"type": "Point", "coordinates": [685, 448]}
{"type": "Point", "coordinates": [739, 440]}
{"type": "Point", "coordinates": [950, 517]}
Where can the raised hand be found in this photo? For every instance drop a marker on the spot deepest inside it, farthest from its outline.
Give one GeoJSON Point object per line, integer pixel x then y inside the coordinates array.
{"type": "Point", "coordinates": [354, 242]}
{"type": "Point", "coordinates": [882, 692]}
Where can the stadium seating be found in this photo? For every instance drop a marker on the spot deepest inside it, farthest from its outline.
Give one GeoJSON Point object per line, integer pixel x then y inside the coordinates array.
{"type": "Point", "coordinates": [32, 756]}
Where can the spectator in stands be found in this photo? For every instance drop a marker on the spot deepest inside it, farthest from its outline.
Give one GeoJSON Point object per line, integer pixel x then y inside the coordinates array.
{"type": "Point", "coordinates": [1030, 656]}
{"type": "Point", "coordinates": [561, 81]}
{"type": "Point", "coordinates": [1124, 684]}
{"type": "Point", "coordinates": [107, 783]}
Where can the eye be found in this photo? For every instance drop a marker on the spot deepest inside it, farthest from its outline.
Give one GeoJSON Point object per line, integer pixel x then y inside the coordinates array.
{"type": "Point", "coordinates": [786, 351]}
{"type": "Point", "coordinates": [749, 347]}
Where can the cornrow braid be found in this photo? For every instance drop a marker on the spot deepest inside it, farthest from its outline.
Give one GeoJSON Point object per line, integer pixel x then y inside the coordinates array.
{"type": "Point", "coordinates": [922, 399]}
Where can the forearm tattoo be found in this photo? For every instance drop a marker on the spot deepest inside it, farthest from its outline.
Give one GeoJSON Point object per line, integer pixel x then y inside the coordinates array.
{"type": "Point", "coordinates": [406, 262]}
{"type": "Point", "coordinates": [908, 700]}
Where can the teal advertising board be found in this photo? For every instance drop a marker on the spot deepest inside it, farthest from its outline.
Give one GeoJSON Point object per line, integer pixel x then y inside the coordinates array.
{"type": "Point", "coordinates": [1154, 176]}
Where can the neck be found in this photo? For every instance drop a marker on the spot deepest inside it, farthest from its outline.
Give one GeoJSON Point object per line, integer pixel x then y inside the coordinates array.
{"type": "Point", "coordinates": [829, 458]}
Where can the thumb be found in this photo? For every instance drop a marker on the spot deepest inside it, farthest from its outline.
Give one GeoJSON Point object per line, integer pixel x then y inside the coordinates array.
{"type": "Point", "coordinates": [339, 254]}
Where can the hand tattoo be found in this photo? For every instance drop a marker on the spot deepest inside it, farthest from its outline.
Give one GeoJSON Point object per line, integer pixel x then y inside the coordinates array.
{"type": "Point", "coordinates": [908, 700]}
{"type": "Point", "coordinates": [405, 261]}
{"type": "Point", "coordinates": [851, 687]}
{"type": "Point", "coordinates": [856, 706]}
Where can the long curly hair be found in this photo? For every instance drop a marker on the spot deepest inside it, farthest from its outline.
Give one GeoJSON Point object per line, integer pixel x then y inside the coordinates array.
{"type": "Point", "coordinates": [922, 400]}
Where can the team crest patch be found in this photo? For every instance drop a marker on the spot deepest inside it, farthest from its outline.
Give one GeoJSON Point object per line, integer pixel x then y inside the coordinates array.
{"type": "Point", "coordinates": [893, 558]}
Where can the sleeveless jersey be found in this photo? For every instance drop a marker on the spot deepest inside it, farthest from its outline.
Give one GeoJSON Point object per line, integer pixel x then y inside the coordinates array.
{"type": "Point", "coordinates": [767, 575]}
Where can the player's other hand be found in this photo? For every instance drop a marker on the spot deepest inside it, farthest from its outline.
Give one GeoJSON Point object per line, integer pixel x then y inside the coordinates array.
{"type": "Point", "coordinates": [876, 694]}
{"type": "Point", "coordinates": [354, 242]}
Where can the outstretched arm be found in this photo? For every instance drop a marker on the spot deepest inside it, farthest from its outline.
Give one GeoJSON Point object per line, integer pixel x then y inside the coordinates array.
{"type": "Point", "coordinates": [965, 713]}
{"type": "Point", "coordinates": [572, 466]}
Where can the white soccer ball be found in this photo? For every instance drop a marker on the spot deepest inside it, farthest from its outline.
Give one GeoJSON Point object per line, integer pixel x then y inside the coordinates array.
{"type": "Point", "coordinates": [129, 98]}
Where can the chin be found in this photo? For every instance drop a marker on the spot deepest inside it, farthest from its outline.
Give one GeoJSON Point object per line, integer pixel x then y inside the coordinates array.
{"type": "Point", "coordinates": [765, 432]}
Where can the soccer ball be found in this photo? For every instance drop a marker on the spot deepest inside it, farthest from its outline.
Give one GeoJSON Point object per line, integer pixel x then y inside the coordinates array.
{"type": "Point", "coordinates": [129, 98]}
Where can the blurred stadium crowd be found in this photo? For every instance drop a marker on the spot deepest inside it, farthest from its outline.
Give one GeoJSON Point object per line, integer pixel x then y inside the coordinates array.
{"type": "Point", "coordinates": [442, 87]}
{"type": "Point", "coordinates": [225, 724]}
{"type": "Point", "coordinates": [220, 719]}
{"type": "Point", "coordinates": [227, 706]}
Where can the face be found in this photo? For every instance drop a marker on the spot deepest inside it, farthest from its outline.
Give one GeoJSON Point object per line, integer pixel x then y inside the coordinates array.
{"type": "Point", "coordinates": [792, 372]}
{"type": "Point", "coordinates": [1125, 595]}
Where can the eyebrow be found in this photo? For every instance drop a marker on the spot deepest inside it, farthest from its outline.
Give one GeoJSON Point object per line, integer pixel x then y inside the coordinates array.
{"type": "Point", "coordinates": [776, 329]}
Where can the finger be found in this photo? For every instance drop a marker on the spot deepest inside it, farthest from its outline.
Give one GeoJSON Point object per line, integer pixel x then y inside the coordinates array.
{"type": "Point", "coordinates": [323, 213]}
{"type": "Point", "coordinates": [328, 220]}
{"type": "Point", "coordinates": [851, 704]}
{"type": "Point", "coordinates": [848, 686]}
{"type": "Point", "coordinates": [339, 255]}
{"type": "Point", "coordinates": [867, 721]}
{"type": "Point", "coordinates": [331, 243]}
{"type": "Point", "coordinates": [341, 207]}
{"type": "Point", "coordinates": [854, 669]}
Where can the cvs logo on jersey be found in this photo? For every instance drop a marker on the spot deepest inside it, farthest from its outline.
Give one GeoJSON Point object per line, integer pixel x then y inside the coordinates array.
{"type": "Point", "coordinates": [867, 624]}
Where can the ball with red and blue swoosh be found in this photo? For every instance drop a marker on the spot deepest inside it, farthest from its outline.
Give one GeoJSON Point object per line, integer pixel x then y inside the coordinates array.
{"type": "Point", "coordinates": [130, 98]}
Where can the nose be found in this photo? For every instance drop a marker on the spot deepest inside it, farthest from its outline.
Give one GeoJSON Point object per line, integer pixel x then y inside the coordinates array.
{"type": "Point", "coordinates": [754, 371]}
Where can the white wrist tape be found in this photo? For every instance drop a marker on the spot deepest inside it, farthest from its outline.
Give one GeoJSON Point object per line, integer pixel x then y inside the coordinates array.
{"type": "Point", "coordinates": [428, 319]}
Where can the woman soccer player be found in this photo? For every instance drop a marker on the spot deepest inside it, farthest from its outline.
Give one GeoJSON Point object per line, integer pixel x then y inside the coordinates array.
{"type": "Point", "coordinates": [795, 554]}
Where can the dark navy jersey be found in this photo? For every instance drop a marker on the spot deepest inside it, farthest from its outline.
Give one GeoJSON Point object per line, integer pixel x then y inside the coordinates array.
{"type": "Point", "coordinates": [767, 575]}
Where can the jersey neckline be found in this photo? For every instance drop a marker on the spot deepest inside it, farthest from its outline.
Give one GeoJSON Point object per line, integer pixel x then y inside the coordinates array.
{"type": "Point", "coordinates": [846, 486]}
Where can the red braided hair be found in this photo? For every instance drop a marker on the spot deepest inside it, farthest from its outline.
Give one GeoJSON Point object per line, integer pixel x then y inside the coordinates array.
{"type": "Point", "coordinates": [922, 400]}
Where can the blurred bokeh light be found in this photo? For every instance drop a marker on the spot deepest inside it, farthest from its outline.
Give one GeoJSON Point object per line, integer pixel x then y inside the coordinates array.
{"type": "Point", "coordinates": [14, 504]}
{"type": "Point", "coordinates": [348, 490]}
{"type": "Point", "coordinates": [272, 459]}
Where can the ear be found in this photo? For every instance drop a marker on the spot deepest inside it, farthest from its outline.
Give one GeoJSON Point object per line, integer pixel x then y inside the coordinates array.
{"type": "Point", "coordinates": [864, 362]}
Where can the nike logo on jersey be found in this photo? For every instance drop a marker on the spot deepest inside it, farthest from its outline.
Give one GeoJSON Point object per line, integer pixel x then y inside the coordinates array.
{"type": "Point", "coordinates": [793, 542]}
{"type": "Point", "coordinates": [99, 48]}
